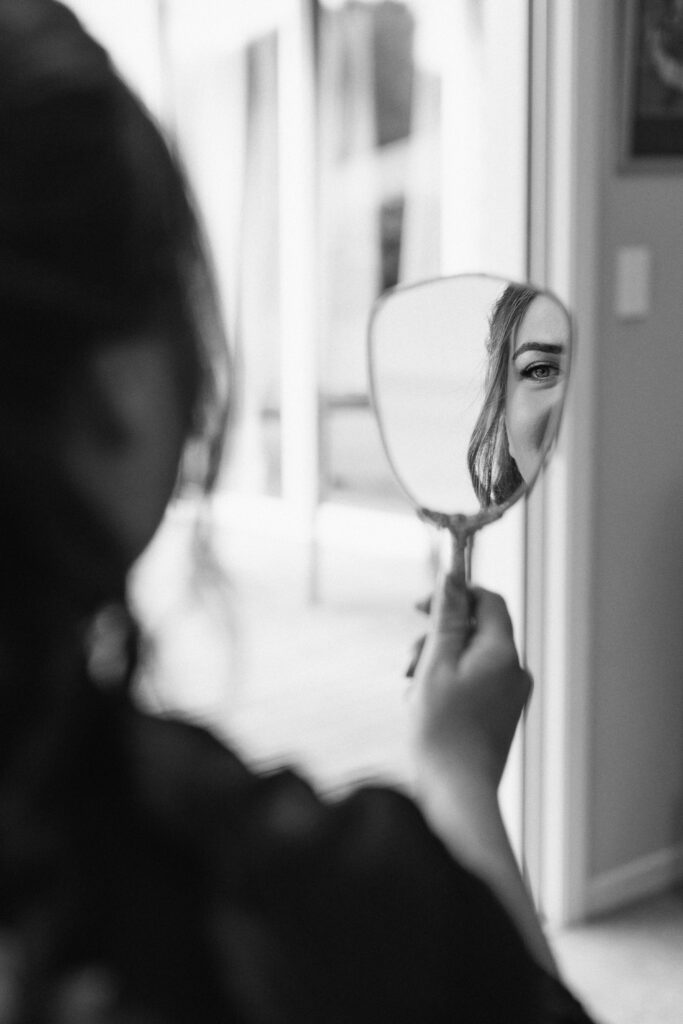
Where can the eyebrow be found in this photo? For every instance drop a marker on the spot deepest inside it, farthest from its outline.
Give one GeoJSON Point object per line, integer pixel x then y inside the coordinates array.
{"type": "Point", "coordinates": [539, 346]}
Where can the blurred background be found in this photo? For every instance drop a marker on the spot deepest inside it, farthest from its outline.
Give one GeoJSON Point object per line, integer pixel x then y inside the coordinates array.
{"type": "Point", "coordinates": [318, 140]}
{"type": "Point", "coordinates": [337, 149]}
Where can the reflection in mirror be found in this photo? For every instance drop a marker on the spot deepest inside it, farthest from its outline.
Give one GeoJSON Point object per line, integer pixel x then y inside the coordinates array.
{"type": "Point", "coordinates": [468, 376]}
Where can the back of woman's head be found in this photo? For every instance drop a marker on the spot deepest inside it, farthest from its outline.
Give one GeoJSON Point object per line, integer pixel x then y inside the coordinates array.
{"type": "Point", "coordinates": [98, 242]}
{"type": "Point", "coordinates": [99, 251]}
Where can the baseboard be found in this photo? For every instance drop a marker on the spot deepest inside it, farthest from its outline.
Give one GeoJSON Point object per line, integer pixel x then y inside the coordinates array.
{"type": "Point", "coordinates": [642, 877]}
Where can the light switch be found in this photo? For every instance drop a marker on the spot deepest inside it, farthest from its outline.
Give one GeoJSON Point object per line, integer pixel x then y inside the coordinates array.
{"type": "Point", "coordinates": [633, 282]}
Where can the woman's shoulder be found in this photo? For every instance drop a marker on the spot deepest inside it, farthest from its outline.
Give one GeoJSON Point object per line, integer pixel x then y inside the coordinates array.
{"type": "Point", "coordinates": [205, 885]}
{"type": "Point", "coordinates": [354, 900]}
{"type": "Point", "coordinates": [188, 778]}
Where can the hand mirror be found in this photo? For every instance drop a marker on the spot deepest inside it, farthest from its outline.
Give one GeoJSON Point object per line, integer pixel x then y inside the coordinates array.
{"type": "Point", "coordinates": [468, 377]}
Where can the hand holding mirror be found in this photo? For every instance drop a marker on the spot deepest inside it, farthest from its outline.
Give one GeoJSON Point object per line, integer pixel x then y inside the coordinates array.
{"type": "Point", "coordinates": [468, 378]}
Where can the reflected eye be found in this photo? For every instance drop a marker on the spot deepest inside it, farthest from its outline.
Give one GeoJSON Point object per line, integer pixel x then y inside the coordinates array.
{"type": "Point", "coordinates": [541, 372]}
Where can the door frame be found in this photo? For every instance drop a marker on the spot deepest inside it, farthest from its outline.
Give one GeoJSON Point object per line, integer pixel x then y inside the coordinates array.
{"type": "Point", "coordinates": [564, 182]}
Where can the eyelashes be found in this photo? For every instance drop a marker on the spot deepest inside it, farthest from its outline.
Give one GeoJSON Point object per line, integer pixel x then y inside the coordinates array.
{"type": "Point", "coordinates": [541, 372]}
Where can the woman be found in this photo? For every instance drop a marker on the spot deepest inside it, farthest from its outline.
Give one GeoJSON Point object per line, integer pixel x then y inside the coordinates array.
{"type": "Point", "coordinates": [145, 873]}
{"type": "Point", "coordinates": [525, 374]}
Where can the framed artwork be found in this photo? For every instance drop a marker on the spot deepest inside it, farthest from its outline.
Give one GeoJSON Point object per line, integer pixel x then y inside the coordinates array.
{"type": "Point", "coordinates": [652, 128]}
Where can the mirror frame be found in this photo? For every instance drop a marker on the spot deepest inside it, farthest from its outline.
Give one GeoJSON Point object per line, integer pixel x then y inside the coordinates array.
{"type": "Point", "coordinates": [464, 525]}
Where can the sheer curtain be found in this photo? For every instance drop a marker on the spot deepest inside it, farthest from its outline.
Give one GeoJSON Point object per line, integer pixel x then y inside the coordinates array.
{"type": "Point", "coordinates": [349, 181]}
{"type": "Point", "coordinates": [366, 96]}
{"type": "Point", "coordinates": [257, 327]}
{"type": "Point", "coordinates": [224, 99]}
{"type": "Point", "coordinates": [421, 239]}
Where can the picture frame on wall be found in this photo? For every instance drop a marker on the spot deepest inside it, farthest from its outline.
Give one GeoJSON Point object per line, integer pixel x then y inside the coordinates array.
{"type": "Point", "coordinates": [652, 117]}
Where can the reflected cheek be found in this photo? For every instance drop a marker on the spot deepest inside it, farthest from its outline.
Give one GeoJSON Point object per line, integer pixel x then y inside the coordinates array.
{"type": "Point", "coordinates": [537, 428]}
{"type": "Point", "coordinates": [528, 419]}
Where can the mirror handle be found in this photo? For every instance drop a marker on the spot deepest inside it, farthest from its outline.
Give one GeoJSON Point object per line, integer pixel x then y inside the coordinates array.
{"type": "Point", "coordinates": [462, 541]}
{"type": "Point", "coordinates": [459, 575]}
{"type": "Point", "coordinates": [462, 537]}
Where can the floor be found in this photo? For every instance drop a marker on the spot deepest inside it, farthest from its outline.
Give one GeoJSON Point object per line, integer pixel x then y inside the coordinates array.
{"type": "Point", "coordinates": [628, 966]}
{"type": "Point", "coordinates": [322, 686]}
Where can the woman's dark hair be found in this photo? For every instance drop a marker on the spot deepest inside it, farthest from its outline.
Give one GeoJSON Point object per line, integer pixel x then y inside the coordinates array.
{"type": "Point", "coordinates": [493, 471]}
{"type": "Point", "coordinates": [99, 243]}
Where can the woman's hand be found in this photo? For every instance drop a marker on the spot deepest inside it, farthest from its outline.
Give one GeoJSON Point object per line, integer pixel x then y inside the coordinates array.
{"type": "Point", "coordinates": [470, 693]}
{"type": "Point", "coordinates": [470, 688]}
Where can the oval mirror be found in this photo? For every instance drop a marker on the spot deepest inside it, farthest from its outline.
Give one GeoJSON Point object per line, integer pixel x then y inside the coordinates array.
{"type": "Point", "coordinates": [468, 376]}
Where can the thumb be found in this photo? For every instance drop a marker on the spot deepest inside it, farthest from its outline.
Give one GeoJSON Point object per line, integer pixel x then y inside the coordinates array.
{"type": "Point", "coordinates": [493, 637]}
{"type": "Point", "coordinates": [452, 613]}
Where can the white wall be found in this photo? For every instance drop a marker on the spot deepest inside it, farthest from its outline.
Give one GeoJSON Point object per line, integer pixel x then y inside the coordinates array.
{"type": "Point", "coordinates": [633, 592]}
{"type": "Point", "coordinates": [637, 738]}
